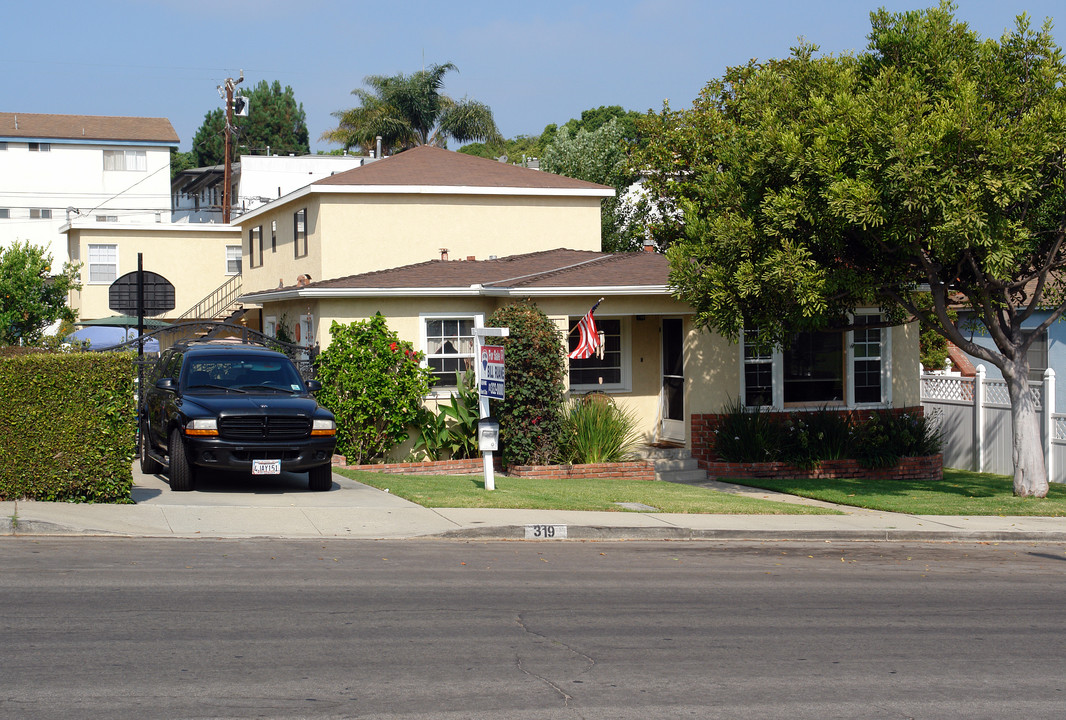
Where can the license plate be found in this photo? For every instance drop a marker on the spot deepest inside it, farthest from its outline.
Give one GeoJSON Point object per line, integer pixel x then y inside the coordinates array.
{"type": "Point", "coordinates": [266, 467]}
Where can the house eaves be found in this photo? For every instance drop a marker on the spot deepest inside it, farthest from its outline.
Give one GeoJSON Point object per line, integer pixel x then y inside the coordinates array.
{"type": "Point", "coordinates": [319, 293]}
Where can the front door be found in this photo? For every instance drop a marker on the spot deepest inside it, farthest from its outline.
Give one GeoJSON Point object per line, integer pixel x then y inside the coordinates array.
{"type": "Point", "coordinates": [672, 400]}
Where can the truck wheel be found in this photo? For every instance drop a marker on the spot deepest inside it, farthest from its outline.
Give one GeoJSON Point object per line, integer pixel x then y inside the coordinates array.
{"type": "Point", "coordinates": [320, 479]}
{"type": "Point", "coordinates": [181, 472]}
{"type": "Point", "coordinates": [149, 465]}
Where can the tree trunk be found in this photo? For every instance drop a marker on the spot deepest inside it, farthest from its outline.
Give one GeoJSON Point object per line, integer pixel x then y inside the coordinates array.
{"type": "Point", "coordinates": [1030, 474]}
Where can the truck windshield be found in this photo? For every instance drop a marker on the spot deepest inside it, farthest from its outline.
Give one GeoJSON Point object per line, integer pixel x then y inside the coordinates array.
{"type": "Point", "coordinates": [225, 373]}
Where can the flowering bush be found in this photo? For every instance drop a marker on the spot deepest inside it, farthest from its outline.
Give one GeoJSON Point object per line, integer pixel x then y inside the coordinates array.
{"type": "Point", "coordinates": [374, 383]}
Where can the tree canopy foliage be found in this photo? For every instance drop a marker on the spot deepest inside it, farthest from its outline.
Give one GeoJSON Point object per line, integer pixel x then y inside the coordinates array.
{"type": "Point", "coordinates": [31, 298]}
{"type": "Point", "coordinates": [410, 110]}
{"type": "Point", "coordinates": [275, 120]}
{"type": "Point", "coordinates": [814, 185]}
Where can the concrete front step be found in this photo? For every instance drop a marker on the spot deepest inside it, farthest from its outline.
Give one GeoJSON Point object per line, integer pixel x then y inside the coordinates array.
{"type": "Point", "coordinates": [682, 476]}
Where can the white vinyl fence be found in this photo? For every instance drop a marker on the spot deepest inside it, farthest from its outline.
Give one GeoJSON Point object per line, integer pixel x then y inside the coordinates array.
{"type": "Point", "coordinates": [974, 413]}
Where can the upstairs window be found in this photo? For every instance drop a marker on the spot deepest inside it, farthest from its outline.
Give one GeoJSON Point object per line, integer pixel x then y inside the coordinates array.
{"type": "Point", "coordinates": [40, 213]}
{"type": "Point", "coordinates": [233, 259]}
{"type": "Point", "coordinates": [255, 240]}
{"type": "Point", "coordinates": [40, 147]}
{"type": "Point", "coordinates": [299, 233]}
{"type": "Point", "coordinates": [135, 160]}
{"type": "Point", "coordinates": [103, 263]}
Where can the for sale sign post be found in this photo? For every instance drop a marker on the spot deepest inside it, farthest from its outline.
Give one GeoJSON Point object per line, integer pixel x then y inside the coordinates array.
{"type": "Point", "coordinates": [492, 373]}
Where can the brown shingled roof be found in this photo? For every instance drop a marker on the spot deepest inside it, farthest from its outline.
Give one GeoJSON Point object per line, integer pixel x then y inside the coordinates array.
{"type": "Point", "coordinates": [541, 270]}
{"type": "Point", "coordinates": [429, 165]}
{"type": "Point", "coordinates": [86, 127]}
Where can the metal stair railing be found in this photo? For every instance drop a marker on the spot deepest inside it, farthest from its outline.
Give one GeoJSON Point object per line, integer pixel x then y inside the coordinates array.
{"type": "Point", "coordinates": [219, 300]}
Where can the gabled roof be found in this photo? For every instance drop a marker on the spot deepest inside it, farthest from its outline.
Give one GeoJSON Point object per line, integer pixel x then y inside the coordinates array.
{"type": "Point", "coordinates": [429, 165]}
{"type": "Point", "coordinates": [547, 273]}
{"type": "Point", "coordinates": [86, 127]}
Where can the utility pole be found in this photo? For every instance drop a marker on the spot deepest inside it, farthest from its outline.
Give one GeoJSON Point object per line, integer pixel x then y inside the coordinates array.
{"type": "Point", "coordinates": [231, 85]}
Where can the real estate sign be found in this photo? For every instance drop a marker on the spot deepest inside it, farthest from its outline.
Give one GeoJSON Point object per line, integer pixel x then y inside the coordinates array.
{"type": "Point", "coordinates": [492, 372]}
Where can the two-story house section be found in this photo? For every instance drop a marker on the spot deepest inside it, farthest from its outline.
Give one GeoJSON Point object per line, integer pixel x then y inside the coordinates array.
{"type": "Point", "coordinates": [59, 168]}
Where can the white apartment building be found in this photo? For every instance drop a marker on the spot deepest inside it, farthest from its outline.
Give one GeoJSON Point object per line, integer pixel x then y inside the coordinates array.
{"type": "Point", "coordinates": [59, 168]}
{"type": "Point", "coordinates": [255, 181]}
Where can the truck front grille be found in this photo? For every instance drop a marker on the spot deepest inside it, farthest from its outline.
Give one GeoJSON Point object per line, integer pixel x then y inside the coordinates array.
{"type": "Point", "coordinates": [264, 428]}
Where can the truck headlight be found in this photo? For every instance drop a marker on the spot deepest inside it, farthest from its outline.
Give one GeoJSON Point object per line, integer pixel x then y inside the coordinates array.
{"type": "Point", "coordinates": [323, 427]}
{"type": "Point", "coordinates": [202, 426]}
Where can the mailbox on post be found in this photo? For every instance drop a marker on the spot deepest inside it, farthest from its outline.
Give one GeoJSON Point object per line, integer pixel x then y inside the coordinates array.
{"type": "Point", "coordinates": [488, 434]}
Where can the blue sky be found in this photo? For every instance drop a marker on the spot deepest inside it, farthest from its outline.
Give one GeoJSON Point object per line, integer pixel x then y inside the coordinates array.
{"type": "Point", "coordinates": [533, 63]}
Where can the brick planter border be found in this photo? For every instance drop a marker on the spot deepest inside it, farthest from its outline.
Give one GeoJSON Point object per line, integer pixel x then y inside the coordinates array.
{"type": "Point", "coordinates": [635, 470]}
{"type": "Point", "coordinates": [928, 467]}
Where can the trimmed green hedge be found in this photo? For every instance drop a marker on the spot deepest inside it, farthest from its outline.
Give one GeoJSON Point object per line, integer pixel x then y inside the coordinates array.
{"type": "Point", "coordinates": [67, 426]}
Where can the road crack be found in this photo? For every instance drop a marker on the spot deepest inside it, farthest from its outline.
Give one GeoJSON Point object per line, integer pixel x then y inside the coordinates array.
{"type": "Point", "coordinates": [589, 661]}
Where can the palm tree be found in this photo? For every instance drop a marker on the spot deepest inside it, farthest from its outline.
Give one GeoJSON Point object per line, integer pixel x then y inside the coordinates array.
{"type": "Point", "coordinates": [410, 110]}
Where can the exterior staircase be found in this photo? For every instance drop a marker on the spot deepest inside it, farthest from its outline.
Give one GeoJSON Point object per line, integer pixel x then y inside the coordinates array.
{"type": "Point", "coordinates": [216, 303]}
{"type": "Point", "coordinates": [674, 465]}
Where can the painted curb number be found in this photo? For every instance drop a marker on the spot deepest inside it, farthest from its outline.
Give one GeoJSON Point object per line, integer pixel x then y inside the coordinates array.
{"type": "Point", "coordinates": [545, 532]}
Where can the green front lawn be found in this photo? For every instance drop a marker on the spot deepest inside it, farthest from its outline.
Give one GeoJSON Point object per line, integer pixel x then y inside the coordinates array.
{"type": "Point", "coordinates": [959, 493]}
{"type": "Point", "coordinates": [458, 491]}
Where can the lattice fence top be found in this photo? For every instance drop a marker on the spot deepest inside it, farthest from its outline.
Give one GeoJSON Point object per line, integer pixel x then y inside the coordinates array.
{"type": "Point", "coordinates": [1058, 427]}
{"type": "Point", "coordinates": [961, 389]}
{"type": "Point", "coordinates": [939, 387]}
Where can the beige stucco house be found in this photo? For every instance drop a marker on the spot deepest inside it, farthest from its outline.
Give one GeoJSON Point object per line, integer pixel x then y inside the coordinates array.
{"type": "Point", "coordinates": [196, 259]}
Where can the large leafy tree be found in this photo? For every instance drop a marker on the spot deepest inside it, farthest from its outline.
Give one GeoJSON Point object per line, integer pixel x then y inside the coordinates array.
{"type": "Point", "coordinates": [275, 120]}
{"type": "Point", "coordinates": [31, 298]}
{"type": "Point", "coordinates": [811, 186]}
{"type": "Point", "coordinates": [599, 156]}
{"type": "Point", "coordinates": [410, 110]}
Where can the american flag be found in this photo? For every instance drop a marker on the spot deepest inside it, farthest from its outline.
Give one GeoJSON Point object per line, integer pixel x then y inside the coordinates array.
{"type": "Point", "coordinates": [588, 337]}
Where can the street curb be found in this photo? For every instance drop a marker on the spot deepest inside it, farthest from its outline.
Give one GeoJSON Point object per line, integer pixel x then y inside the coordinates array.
{"type": "Point", "coordinates": [592, 532]}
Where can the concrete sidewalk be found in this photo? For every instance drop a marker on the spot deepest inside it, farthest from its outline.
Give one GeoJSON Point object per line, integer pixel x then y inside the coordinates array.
{"type": "Point", "coordinates": [282, 507]}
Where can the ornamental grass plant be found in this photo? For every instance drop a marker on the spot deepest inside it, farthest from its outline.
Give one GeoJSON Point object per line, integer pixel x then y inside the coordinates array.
{"type": "Point", "coordinates": [596, 430]}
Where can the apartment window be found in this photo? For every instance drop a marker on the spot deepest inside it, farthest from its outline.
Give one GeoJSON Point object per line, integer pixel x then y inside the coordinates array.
{"type": "Point", "coordinates": [818, 368]}
{"type": "Point", "coordinates": [255, 240]}
{"type": "Point", "coordinates": [40, 147]}
{"type": "Point", "coordinates": [40, 213]}
{"type": "Point", "coordinates": [299, 233]}
{"type": "Point", "coordinates": [5, 213]}
{"type": "Point", "coordinates": [233, 259]}
{"type": "Point", "coordinates": [273, 236]}
{"type": "Point", "coordinates": [270, 326]}
{"type": "Point", "coordinates": [136, 160]}
{"type": "Point", "coordinates": [609, 372]}
{"type": "Point", "coordinates": [103, 263]}
{"type": "Point", "coordinates": [449, 346]}
{"type": "Point", "coordinates": [1038, 360]}
{"type": "Point", "coordinates": [3, 145]}
{"type": "Point", "coordinates": [107, 218]}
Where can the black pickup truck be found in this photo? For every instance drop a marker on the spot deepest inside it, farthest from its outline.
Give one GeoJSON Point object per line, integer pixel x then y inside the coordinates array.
{"type": "Point", "coordinates": [236, 407]}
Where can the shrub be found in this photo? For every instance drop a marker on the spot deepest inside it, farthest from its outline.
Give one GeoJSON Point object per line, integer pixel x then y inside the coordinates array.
{"type": "Point", "coordinates": [885, 437]}
{"type": "Point", "coordinates": [452, 431]}
{"type": "Point", "coordinates": [596, 430]}
{"type": "Point", "coordinates": [374, 383]}
{"type": "Point", "coordinates": [747, 435]}
{"type": "Point", "coordinates": [529, 415]}
{"type": "Point", "coordinates": [67, 426]}
{"type": "Point", "coordinates": [807, 438]}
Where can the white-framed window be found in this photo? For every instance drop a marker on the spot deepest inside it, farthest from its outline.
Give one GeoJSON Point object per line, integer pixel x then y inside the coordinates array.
{"type": "Point", "coordinates": [612, 371]}
{"type": "Point", "coordinates": [819, 369]}
{"type": "Point", "coordinates": [5, 213]}
{"type": "Point", "coordinates": [107, 218]}
{"type": "Point", "coordinates": [233, 259]}
{"type": "Point", "coordinates": [299, 233]}
{"type": "Point", "coordinates": [270, 326]}
{"type": "Point", "coordinates": [305, 331]}
{"type": "Point", "coordinates": [132, 160]}
{"type": "Point", "coordinates": [273, 236]}
{"type": "Point", "coordinates": [40, 147]}
{"type": "Point", "coordinates": [255, 240]}
{"type": "Point", "coordinates": [448, 342]}
{"type": "Point", "coordinates": [103, 263]}
{"type": "Point", "coordinates": [40, 213]}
